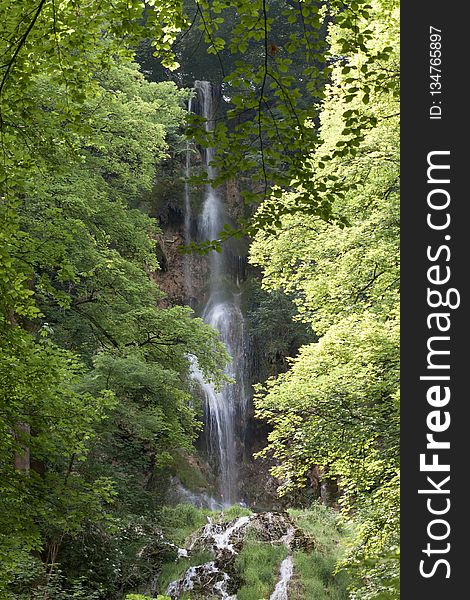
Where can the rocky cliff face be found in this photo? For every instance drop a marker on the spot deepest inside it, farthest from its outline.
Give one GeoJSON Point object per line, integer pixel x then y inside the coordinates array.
{"type": "Point", "coordinates": [171, 276]}
{"type": "Point", "coordinates": [172, 279]}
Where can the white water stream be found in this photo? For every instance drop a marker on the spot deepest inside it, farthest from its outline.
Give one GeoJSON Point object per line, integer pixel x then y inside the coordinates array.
{"type": "Point", "coordinates": [187, 261]}
{"type": "Point", "coordinates": [286, 572]}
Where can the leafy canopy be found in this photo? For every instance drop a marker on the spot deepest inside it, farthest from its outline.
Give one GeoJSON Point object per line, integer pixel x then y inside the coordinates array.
{"type": "Point", "coordinates": [337, 406]}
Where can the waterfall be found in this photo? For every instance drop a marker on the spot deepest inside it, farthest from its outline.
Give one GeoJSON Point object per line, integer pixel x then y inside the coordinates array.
{"type": "Point", "coordinates": [224, 409]}
{"type": "Point", "coordinates": [187, 263]}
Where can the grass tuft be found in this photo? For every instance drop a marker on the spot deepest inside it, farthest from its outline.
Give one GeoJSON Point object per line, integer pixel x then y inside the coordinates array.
{"type": "Point", "coordinates": [234, 512]}
{"type": "Point", "coordinates": [314, 572]}
{"type": "Point", "coordinates": [181, 520]}
{"type": "Point", "coordinates": [258, 564]}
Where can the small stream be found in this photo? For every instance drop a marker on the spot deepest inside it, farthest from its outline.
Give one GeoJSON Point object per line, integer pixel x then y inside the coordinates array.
{"type": "Point", "coordinates": [285, 575]}
{"type": "Point", "coordinates": [218, 578]}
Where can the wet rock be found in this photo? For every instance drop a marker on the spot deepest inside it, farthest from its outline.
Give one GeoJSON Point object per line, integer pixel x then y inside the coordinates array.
{"type": "Point", "coordinates": [206, 579]}
{"type": "Point", "coordinates": [221, 538]}
{"type": "Point", "coordinates": [218, 578]}
{"type": "Point", "coordinates": [271, 526]}
{"type": "Point", "coordinates": [278, 528]}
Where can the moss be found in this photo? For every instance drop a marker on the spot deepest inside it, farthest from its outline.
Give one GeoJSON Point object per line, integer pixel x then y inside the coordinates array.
{"type": "Point", "coordinates": [189, 470]}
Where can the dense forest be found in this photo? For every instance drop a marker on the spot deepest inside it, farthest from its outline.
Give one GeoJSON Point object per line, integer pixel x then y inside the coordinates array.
{"type": "Point", "coordinates": [199, 291]}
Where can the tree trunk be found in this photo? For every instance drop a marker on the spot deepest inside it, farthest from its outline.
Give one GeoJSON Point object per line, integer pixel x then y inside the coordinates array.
{"type": "Point", "coordinates": [23, 457]}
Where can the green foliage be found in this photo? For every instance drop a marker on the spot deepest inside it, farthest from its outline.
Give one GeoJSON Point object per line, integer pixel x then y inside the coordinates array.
{"type": "Point", "coordinates": [275, 90]}
{"type": "Point", "coordinates": [95, 394]}
{"type": "Point", "coordinates": [44, 417]}
{"type": "Point", "coordinates": [339, 403]}
{"type": "Point", "coordinates": [181, 520]}
{"type": "Point", "coordinates": [275, 332]}
{"type": "Point", "coordinates": [373, 554]}
{"type": "Point", "coordinates": [337, 406]}
{"type": "Point", "coordinates": [123, 557]}
{"type": "Point", "coordinates": [83, 340]}
{"type": "Point", "coordinates": [56, 588]}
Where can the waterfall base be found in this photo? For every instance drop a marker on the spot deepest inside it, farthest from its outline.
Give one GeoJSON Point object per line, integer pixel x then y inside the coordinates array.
{"type": "Point", "coordinates": [219, 578]}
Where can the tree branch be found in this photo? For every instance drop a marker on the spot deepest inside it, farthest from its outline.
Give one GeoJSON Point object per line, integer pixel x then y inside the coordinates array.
{"type": "Point", "coordinates": [21, 44]}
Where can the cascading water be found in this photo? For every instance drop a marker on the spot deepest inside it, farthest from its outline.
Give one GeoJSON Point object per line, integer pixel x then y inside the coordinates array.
{"type": "Point", "coordinates": [188, 280]}
{"type": "Point", "coordinates": [224, 540]}
{"type": "Point", "coordinates": [285, 575]}
{"type": "Point", "coordinates": [225, 409]}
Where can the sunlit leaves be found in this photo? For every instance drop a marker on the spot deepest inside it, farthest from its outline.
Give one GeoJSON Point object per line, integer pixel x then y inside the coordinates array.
{"type": "Point", "coordinates": [337, 406]}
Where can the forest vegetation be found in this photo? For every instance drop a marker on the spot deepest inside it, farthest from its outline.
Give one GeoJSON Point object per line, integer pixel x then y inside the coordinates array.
{"type": "Point", "coordinates": [97, 402]}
